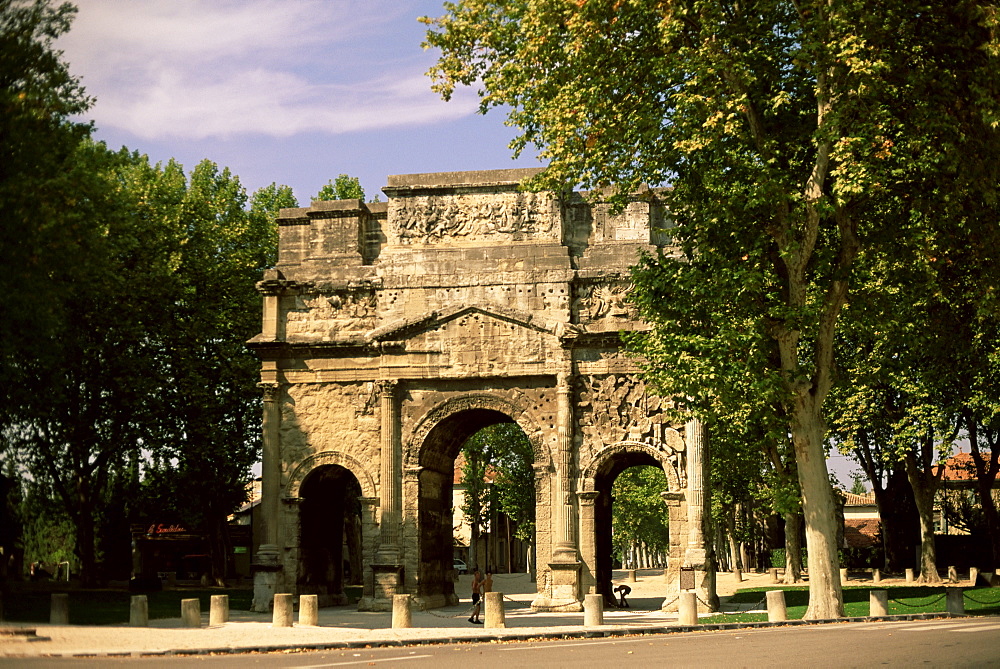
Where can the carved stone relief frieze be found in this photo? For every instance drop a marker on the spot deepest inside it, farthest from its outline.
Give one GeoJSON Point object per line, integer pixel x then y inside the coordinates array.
{"type": "Point", "coordinates": [615, 407]}
{"type": "Point", "coordinates": [323, 316]}
{"type": "Point", "coordinates": [426, 219]}
{"type": "Point", "coordinates": [595, 302]}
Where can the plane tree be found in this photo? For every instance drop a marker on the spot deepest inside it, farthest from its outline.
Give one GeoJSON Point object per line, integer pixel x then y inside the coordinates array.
{"type": "Point", "coordinates": [786, 129]}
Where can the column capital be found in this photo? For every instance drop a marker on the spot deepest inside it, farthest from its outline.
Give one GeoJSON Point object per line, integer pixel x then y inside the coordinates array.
{"type": "Point", "coordinates": [588, 497]}
{"type": "Point", "coordinates": [387, 387]}
{"type": "Point", "coordinates": [270, 390]}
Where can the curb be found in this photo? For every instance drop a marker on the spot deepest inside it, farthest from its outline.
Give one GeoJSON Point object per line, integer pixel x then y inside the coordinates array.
{"type": "Point", "coordinates": [489, 638]}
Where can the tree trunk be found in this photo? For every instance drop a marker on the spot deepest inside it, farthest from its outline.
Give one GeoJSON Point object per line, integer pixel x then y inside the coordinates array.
{"type": "Point", "coordinates": [923, 495]}
{"type": "Point", "coordinates": [899, 519]}
{"type": "Point", "coordinates": [992, 518]}
{"type": "Point", "coordinates": [826, 599]}
{"type": "Point", "coordinates": [793, 547]}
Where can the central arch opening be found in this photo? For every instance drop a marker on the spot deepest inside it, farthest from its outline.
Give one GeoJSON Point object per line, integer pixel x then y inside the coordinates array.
{"type": "Point", "coordinates": [630, 517]}
{"type": "Point", "coordinates": [442, 531]}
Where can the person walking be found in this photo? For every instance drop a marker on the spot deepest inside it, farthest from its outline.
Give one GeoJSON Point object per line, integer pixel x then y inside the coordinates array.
{"type": "Point", "coordinates": [477, 584]}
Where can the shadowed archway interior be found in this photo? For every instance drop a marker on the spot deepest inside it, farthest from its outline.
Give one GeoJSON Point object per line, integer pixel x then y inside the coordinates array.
{"type": "Point", "coordinates": [330, 533]}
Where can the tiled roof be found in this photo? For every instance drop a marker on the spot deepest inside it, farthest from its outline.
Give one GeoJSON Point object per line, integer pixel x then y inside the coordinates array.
{"type": "Point", "coordinates": [861, 532]}
{"type": "Point", "coordinates": [850, 499]}
{"type": "Point", "coordinates": [959, 467]}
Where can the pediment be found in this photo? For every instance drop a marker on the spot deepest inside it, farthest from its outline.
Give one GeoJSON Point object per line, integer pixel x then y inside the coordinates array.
{"type": "Point", "coordinates": [408, 328]}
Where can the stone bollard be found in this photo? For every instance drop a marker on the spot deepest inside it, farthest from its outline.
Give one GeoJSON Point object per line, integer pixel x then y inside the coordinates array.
{"type": "Point", "coordinates": [283, 615]}
{"type": "Point", "coordinates": [843, 576]}
{"type": "Point", "coordinates": [773, 573]}
{"type": "Point", "coordinates": [59, 613]}
{"type": "Point", "coordinates": [495, 616]}
{"type": "Point", "coordinates": [878, 602]}
{"type": "Point", "coordinates": [309, 610]}
{"type": "Point", "coordinates": [593, 610]}
{"type": "Point", "coordinates": [955, 601]}
{"type": "Point", "coordinates": [973, 576]}
{"type": "Point", "coordinates": [952, 574]}
{"type": "Point", "coordinates": [776, 610]}
{"type": "Point", "coordinates": [909, 576]}
{"type": "Point", "coordinates": [631, 576]}
{"type": "Point", "coordinates": [876, 576]}
{"type": "Point", "coordinates": [687, 608]}
{"type": "Point", "coordinates": [218, 614]}
{"type": "Point", "coordinates": [190, 613]}
{"type": "Point", "coordinates": [402, 617]}
{"type": "Point", "coordinates": [138, 611]}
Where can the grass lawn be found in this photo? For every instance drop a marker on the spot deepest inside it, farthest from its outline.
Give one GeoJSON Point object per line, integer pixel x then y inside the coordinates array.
{"type": "Point", "coordinates": [902, 600]}
{"type": "Point", "coordinates": [110, 607]}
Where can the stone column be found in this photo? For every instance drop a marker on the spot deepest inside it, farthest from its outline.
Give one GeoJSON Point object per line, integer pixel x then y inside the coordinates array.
{"type": "Point", "coordinates": [390, 477]}
{"type": "Point", "coordinates": [698, 556]}
{"type": "Point", "coordinates": [588, 547]}
{"type": "Point", "coordinates": [266, 564]}
{"type": "Point", "coordinates": [564, 549]}
{"type": "Point", "coordinates": [369, 545]}
{"type": "Point", "coordinates": [562, 592]}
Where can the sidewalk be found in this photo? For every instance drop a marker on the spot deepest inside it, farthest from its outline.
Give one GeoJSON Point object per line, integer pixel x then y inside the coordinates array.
{"type": "Point", "coordinates": [347, 627]}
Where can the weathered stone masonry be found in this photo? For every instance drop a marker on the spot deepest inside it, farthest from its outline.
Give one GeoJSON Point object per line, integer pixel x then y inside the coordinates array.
{"type": "Point", "coordinates": [394, 331]}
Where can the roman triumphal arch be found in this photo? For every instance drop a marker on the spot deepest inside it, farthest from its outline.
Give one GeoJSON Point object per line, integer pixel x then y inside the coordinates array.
{"type": "Point", "coordinates": [394, 331]}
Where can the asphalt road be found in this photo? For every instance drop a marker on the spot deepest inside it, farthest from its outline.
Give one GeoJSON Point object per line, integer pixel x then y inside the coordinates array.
{"type": "Point", "coordinates": [973, 642]}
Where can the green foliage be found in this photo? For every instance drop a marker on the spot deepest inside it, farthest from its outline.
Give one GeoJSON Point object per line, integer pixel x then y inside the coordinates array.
{"type": "Point", "coordinates": [344, 187]}
{"type": "Point", "coordinates": [795, 136]}
{"type": "Point", "coordinates": [638, 515]}
{"type": "Point", "coordinates": [41, 230]}
{"type": "Point", "coordinates": [858, 484]}
{"type": "Point", "coordinates": [503, 453]}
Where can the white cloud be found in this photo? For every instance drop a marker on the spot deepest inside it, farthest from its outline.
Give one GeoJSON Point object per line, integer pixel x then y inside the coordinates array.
{"type": "Point", "coordinates": [197, 69]}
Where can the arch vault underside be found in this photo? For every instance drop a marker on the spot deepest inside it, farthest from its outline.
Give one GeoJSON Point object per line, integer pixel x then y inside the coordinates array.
{"type": "Point", "coordinates": [393, 331]}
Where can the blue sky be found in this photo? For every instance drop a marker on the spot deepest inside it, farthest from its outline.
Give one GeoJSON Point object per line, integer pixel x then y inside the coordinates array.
{"type": "Point", "coordinates": [290, 91]}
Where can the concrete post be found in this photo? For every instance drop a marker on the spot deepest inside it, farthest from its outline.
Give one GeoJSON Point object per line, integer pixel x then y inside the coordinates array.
{"type": "Point", "coordinates": [973, 576]}
{"type": "Point", "coordinates": [776, 610]}
{"type": "Point", "coordinates": [687, 610]}
{"type": "Point", "coordinates": [593, 610]}
{"type": "Point", "coordinates": [878, 602]}
{"type": "Point", "coordinates": [773, 573]}
{"type": "Point", "coordinates": [955, 600]}
{"type": "Point", "coordinates": [309, 610]}
{"type": "Point", "coordinates": [402, 616]}
{"type": "Point", "coordinates": [190, 613]}
{"type": "Point", "coordinates": [952, 574]}
{"type": "Point", "coordinates": [909, 576]}
{"type": "Point", "coordinates": [631, 576]}
{"type": "Point", "coordinates": [138, 611]}
{"type": "Point", "coordinates": [218, 614]}
{"type": "Point", "coordinates": [283, 610]}
{"type": "Point", "coordinates": [876, 576]}
{"type": "Point", "coordinates": [495, 617]}
{"type": "Point", "coordinates": [843, 576]}
{"type": "Point", "coordinates": [59, 613]}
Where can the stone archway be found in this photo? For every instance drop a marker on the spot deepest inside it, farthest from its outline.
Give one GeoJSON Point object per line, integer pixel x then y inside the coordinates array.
{"type": "Point", "coordinates": [431, 451]}
{"type": "Point", "coordinates": [390, 329]}
{"type": "Point", "coordinates": [596, 500]}
{"type": "Point", "coordinates": [330, 534]}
